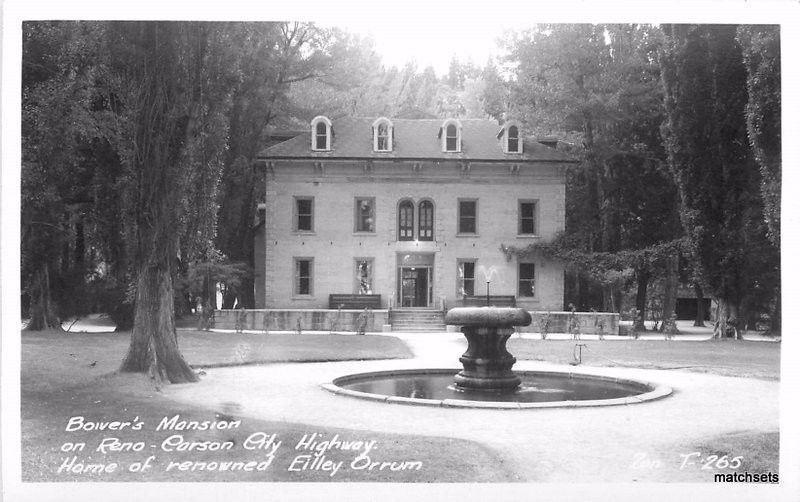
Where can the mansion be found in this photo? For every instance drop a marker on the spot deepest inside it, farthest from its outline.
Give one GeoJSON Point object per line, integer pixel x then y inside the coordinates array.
{"type": "Point", "coordinates": [411, 213]}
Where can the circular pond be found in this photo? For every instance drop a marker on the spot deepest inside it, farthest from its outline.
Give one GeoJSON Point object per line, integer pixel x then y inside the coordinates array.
{"type": "Point", "coordinates": [539, 389]}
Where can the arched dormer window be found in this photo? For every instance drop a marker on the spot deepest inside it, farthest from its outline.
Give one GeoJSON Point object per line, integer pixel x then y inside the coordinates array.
{"type": "Point", "coordinates": [382, 130]}
{"type": "Point", "coordinates": [405, 221]}
{"type": "Point", "coordinates": [425, 231]}
{"type": "Point", "coordinates": [321, 132]}
{"type": "Point", "coordinates": [451, 135]}
{"type": "Point", "coordinates": [513, 139]}
{"type": "Point", "coordinates": [512, 142]}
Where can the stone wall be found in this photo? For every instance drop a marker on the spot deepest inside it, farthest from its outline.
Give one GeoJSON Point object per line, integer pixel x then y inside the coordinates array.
{"type": "Point", "coordinates": [346, 320]}
{"type": "Point", "coordinates": [310, 319]}
{"type": "Point", "coordinates": [587, 322]}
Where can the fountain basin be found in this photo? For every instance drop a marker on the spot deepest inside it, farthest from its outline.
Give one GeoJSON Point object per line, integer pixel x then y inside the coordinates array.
{"type": "Point", "coordinates": [501, 317]}
{"type": "Point", "coordinates": [538, 389]}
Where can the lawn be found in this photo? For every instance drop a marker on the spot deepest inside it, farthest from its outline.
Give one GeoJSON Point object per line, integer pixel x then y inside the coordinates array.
{"type": "Point", "coordinates": [721, 357]}
{"type": "Point", "coordinates": [70, 375]}
{"type": "Point", "coordinates": [762, 450]}
{"type": "Point", "coordinates": [84, 356]}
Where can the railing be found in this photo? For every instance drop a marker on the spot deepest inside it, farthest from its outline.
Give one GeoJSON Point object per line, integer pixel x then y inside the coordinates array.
{"type": "Point", "coordinates": [350, 301]}
{"type": "Point", "coordinates": [494, 300]}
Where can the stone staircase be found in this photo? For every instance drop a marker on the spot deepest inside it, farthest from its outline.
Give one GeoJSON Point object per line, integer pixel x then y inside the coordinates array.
{"type": "Point", "coordinates": [417, 321]}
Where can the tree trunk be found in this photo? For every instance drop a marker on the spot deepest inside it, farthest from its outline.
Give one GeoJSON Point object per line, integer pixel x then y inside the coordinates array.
{"type": "Point", "coordinates": [700, 316]}
{"type": "Point", "coordinates": [247, 295]}
{"type": "Point", "coordinates": [670, 294]}
{"type": "Point", "coordinates": [608, 298]}
{"type": "Point", "coordinates": [154, 341]}
{"type": "Point", "coordinates": [728, 324]}
{"type": "Point", "coordinates": [118, 305]}
{"type": "Point", "coordinates": [42, 308]}
{"type": "Point", "coordinates": [775, 315]}
{"type": "Point", "coordinates": [228, 298]}
{"type": "Point", "coordinates": [122, 316]}
{"type": "Point", "coordinates": [80, 245]}
{"type": "Point", "coordinates": [642, 279]}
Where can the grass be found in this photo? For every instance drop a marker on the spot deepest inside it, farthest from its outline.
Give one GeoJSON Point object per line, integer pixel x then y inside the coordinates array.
{"type": "Point", "coordinates": [759, 452]}
{"type": "Point", "coordinates": [73, 353]}
{"type": "Point", "coordinates": [754, 452]}
{"type": "Point", "coordinates": [738, 358]}
{"type": "Point", "coordinates": [67, 375]}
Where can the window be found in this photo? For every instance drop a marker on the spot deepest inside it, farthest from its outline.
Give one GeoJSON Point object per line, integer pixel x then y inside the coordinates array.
{"type": "Point", "coordinates": [303, 270]}
{"type": "Point", "coordinates": [382, 129]}
{"type": "Point", "coordinates": [383, 138]}
{"type": "Point", "coordinates": [450, 133]}
{"type": "Point", "coordinates": [513, 139]}
{"type": "Point", "coordinates": [405, 221]}
{"type": "Point", "coordinates": [466, 278]}
{"type": "Point", "coordinates": [363, 276]}
{"type": "Point", "coordinates": [304, 214]}
{"type": "Point", "coordinates": [526, 279]}
{"type": "Point", "coordinates": [365, 214]}
{"type": "Point", "coordinates": [322, 136]}
{"type": "Point", "coordinates": [451, 139]}
{"type": "Point", "coordinates": [527, 218]}
{"type": "Point", "coordinates": [425, 232]}
{"type": "Point", "coordinates": [467, 216]}
{"type": "Point", "coordinates": [321, 131]}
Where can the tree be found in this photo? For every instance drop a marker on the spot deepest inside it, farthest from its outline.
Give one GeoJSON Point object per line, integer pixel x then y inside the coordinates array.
{"type": "Point", "coordinates": [598, 86]}
{"type": "Point", "coordinates": [171, 79]}
{"type": "Point", "coordinates": [257, 88]}
{"type": "Point", "coordinates": [59, 129]}
{"type": "Point", "coordinates": [762, 58]}
{"type": "Point", "coordinates": [496, 93]}
{"type": "Point", "coordinates": [761, 46]}
{"type": "Point", "coordinates": [705, 135]}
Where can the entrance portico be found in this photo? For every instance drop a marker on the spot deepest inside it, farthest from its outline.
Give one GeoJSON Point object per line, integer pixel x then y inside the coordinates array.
{"type": "Point", "coordinates": [415, 280]}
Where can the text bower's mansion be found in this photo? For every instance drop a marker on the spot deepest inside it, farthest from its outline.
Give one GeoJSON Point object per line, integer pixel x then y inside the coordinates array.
{"type": "Point", "coordinates": [409, 213]}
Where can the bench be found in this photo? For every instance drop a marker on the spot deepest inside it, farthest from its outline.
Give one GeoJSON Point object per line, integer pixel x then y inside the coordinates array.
{"type": "Point", "coordinates": [494, 301]}
{"type": "Point", "coordinates": [354, 302]}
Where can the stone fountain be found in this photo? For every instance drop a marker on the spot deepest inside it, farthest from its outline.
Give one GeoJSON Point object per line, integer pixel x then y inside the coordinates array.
{"type": "Point", "coordinates": [486, 379]}
{"type": "Point", "coordinates": [487, 363]}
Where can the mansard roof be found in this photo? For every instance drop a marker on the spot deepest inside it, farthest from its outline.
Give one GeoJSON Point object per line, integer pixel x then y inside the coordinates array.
{"type": "Point", "coordinates": [413, 139]}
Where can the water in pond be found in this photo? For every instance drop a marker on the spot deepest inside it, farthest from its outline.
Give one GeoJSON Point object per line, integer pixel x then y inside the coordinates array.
{"type": "Point", "coordinates": [535, 388]}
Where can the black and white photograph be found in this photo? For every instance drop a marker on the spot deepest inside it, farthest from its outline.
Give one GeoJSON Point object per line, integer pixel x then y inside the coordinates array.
{"type": "Point", "coordinates": [342, 252]}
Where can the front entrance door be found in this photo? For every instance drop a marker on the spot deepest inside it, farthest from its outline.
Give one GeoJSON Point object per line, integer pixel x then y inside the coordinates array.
{"type": "Point", "coordinates": [414, 286]}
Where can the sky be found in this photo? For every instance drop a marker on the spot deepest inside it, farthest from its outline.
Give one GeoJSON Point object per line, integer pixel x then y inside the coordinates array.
{"type": "Point", "coordinates": [429, 42]}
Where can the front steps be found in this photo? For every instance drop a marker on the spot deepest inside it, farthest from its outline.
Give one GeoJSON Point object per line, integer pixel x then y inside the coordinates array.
{"type": "Point", "coordinates": [417, 321]}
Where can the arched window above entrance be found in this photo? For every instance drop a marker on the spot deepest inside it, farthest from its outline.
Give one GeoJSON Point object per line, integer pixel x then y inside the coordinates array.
{"type": "Point", "coordinates": [425, 232]}
{"type": "Point", "coordinates": [405, 221]}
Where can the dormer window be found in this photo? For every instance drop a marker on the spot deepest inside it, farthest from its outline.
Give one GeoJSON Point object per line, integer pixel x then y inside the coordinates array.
{"type": "Point", "coordinates": [512, 143]}
{"type": "Point", "coordinates": [451, 136]}
{"type": "Point", "coordinates": [513, 139]}
{"type": "Point", "coordinates": [321, 133]}
{"type": "Point", "coordinates": [382, 135]}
